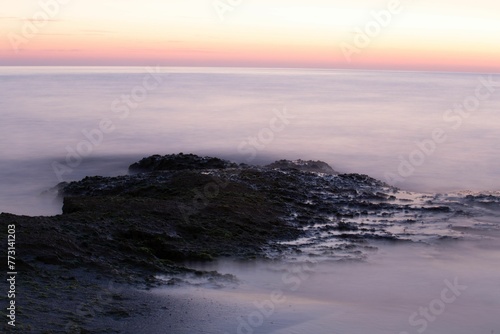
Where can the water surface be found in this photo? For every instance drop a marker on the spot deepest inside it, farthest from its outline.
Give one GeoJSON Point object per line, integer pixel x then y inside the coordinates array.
{"type": "Point", "coordinates": [358, 121]}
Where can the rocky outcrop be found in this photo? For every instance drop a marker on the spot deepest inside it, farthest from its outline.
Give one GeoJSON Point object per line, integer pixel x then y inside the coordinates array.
{"type": "Point", "coordinates": [303, 165]}
{"type": "Point", "coordinates": [177, 208]}
{"type": "Point", "coordinates": [179, 162]}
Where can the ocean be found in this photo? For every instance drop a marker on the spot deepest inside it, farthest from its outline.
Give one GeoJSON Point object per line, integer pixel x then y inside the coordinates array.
{"type": "Point", "coordinates": [379, 123]}
{"type": "Point", "coordinates": [422, 132]}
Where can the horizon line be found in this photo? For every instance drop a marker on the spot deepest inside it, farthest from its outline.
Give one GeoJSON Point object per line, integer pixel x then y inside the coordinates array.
{"type": "Point", "coordinates": [263, 68]}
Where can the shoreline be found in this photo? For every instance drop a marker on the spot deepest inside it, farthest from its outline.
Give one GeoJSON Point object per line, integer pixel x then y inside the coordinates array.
{"type": "Point", "coordinates": [123, 232]}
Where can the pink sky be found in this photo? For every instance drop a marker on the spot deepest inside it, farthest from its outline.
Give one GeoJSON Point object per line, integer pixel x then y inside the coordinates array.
{"type": "Point", "coordinates": [408, 35]}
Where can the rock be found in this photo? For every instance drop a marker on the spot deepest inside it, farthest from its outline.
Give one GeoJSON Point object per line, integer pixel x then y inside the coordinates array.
{"type": "Point", "coordinates": [303, 165]}
{"type": "Point", "coordinates": [179, 162]}
{"type": "Point", "coordinates": [183, 207]}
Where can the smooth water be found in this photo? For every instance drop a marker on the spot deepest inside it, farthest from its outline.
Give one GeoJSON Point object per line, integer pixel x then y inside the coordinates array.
{"type": "Point", "coordinates": [61, 124]}
{"type": "Point", "coordinates": [447, 288]}
{"type": "Point", "coordinates": [358, 121]}
{"type": "Point", "coordinates": [440, 277]}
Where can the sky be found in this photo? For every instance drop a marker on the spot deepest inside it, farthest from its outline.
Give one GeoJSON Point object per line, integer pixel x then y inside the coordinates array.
{"type": "Point", "coordinates": [434, 35]}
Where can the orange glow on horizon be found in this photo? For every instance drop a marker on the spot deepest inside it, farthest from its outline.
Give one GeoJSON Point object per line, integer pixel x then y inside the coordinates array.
{"type": "Point", "coordinates": [260, 33]}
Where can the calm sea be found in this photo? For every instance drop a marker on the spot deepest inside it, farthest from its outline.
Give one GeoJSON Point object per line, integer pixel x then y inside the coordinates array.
{"type": "Point", "coordinates": [429, 132]}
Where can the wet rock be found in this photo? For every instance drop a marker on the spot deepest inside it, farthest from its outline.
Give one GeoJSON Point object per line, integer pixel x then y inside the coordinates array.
{"type": "Point", "coordinates": [345, 226]}
{"type": "Point", "coordinates": [183, 207]}
{"type": "Point", "coordinates": [179, 162]}
{"type": "Point", "coordinates": [303, 165]}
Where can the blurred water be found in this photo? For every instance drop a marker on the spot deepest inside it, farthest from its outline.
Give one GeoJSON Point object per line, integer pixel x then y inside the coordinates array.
{"type": "Point", "coordinates": [358, 121]}
{"type": "Point", "coordinates": [446, 288]}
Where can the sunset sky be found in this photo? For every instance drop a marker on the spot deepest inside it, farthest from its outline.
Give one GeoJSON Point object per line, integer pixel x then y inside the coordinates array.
{"type": "Point", "coordinates": [444, 35]}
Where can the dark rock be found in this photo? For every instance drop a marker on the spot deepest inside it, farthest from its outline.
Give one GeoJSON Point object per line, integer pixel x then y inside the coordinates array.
{"type": "Point", "coordinates": [303, 165]}
{"type": "Point", "coordinates": [179, 162]}
{"type": "Point", "coordinates": [183, 207]}
{"type": "Point", "coordinates": [345, 226]}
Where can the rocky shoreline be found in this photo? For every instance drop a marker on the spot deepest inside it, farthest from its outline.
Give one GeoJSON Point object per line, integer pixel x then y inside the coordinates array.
{"type": "Point", "coordinates": [118, 232]}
